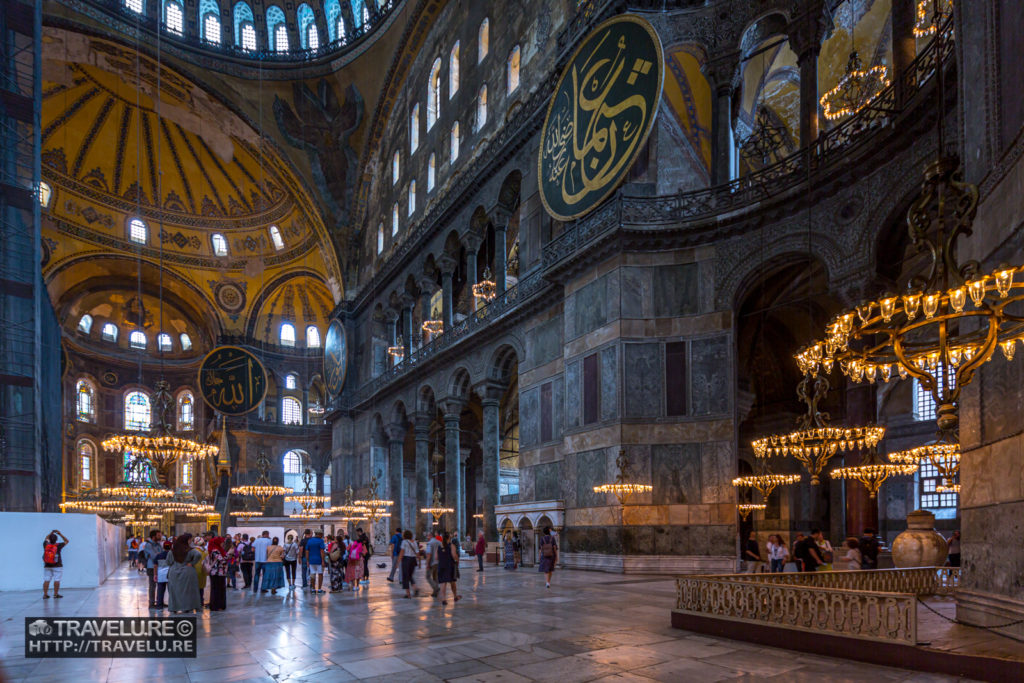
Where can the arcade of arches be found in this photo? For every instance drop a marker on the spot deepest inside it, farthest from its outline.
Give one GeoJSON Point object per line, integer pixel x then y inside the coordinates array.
{"type": "Point", "coordinates": [281, 176]}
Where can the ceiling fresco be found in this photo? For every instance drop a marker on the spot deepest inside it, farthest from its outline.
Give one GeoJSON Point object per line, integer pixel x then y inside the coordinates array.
{"type": "Point", "coordinates": [689, 97]}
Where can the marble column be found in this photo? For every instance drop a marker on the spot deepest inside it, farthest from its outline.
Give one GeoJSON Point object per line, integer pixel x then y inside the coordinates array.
{"type": "Point", "coordinates": [422, 436]}
{"type": "Point", "coordinates": [500, 255]}
{"type": "Point", "coordinates": [452, 466]}
{"type": "Point", "coordinates": [904, 45]}
{"type": "Point", "coordinates": [805, 36]}
{"type": "Point", "coordinates": [491, 447]}
{"type": "Point", "coordinates": [464, 453]}
{"type": "Point", "coordinates": [861, 508]}
{"type": "Point", "coordinates": [428, 285]}
{"type": "Point", "coordinates": [396, 441]}
{"type": "Point", "coordinates": [408, 302]}
{"type": "Point", "coordinates": [720, 73]}
{"type": "Point", "coordinates": [472, 242]}
{"type": "Point", "coordinates": [447, 265]}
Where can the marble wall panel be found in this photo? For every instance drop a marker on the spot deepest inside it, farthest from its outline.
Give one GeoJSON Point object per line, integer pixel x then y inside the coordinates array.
{"type": "Point", "coordinates": [569, 317]}
{"type": "Point", "coordinates": [709, 375]}
{"type": "Point", "coordinates": [642, 378]}
{"type": "Point", "coordinates": [1001, 398]}
{"type": "Point", "coordinates": [557, 407]}
{"type": "Point", "coordinates": [609, 383]}
{"type": "Point", "coordinates": [636, 292]}
{"type": "Point", "coordinates": [591, 471]}
{"type": "Point", "coordinates": [591, 306]}
{"type": "Point", "coordinates": [529, 417]}
{"type": "Point", "coordinates": [638, 540]}
{"type": "Point", "coordinates": [573, 404]}
{"type": "Point", "coordinates": [721, 540]}
{"type": "Point", "coordinates": [990, 567]}
{"type": "Point", "coordinates": [676, 473]}
{"type": "Point", "coordinates": [528, 484]}
{"type": "Point", "coordinates": [675, 290]}
{"type": "Point", "coordinates": [544, 343]}
{"type": "Point", "coordinates": [548, 481]}
{"type": "Point", "coordinates": [718, 468]}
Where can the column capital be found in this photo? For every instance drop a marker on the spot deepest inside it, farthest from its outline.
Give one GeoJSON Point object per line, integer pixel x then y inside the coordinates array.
{"type": "Point", "coordinates": [490, 390]}
{"type": "Point", "coordinates": [428, 284]}
{"type": "Point", "coordinates": [808, 29]}
{"type": "Point", "coordinates": [447, 265]}
{"type": "Point", "coordinates": [407, 301]}
{"type": "Point", "coordinates": [390, 315]}
{"type": "Point", "coordinates": [421, 426]}
{"type": "Point", "coordinates": [500, 217]}
{"type": "Point", "coordinates": [452, 408]}
{"type": "Point", "coordinates": [722, 72]}
{"type": "Point", "coordinates": [472, 241]}
{"type": "Point", "coordinates": [395, 432]}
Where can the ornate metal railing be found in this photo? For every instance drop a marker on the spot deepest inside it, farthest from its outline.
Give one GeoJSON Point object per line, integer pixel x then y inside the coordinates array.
{"type": "Point", "coordinates": [871, 605]}
{"type": "Point", "coordinates": [764, 184]}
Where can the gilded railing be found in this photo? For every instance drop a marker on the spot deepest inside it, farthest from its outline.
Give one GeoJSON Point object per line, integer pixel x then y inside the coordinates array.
{"type": "Point", "coordinates": [871, 605]}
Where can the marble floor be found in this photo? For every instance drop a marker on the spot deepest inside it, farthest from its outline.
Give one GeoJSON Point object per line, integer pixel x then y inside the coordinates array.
{"type": "Point", "coordinates": [587, 627]}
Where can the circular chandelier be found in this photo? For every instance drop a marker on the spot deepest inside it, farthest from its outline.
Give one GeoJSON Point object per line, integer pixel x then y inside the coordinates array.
{"type": "Point", "coordinates": [376, 508]}
{"type": "Point", "coordinates": [397, 352]}
{"type": "Point", "coordinates": [622, 487]}
{"type": "Point", "coordinates": [746, 508]}
{"type": "Point", "coordinates": [873, 471]}
{"type": "Point", "coordinates": [814, 441]}
{"type": "Point", "coordinates": [262, 490]}
{"type": "Point", "coordinates": [930, 15]}
{"type": "Point", "coordinates": [433, 326]}
{"type": "Point", "coordinates": [437, 509]}
{"type": "Point", "coordinates": [486, 289]}
{"type": "Point", "coordinates": [945, 457]}
{"type": "Point", "coordinates": [313, 505]}
{"type": "Point", "coordinates": [857, 88]}
{"type": "Point", "coordinates": [349, 509]}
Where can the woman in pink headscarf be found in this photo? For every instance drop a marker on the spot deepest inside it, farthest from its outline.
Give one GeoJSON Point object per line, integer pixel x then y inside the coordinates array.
{"type": "Point", "coordinates": [216, 565]}
{"type": "Point", "coordinates": [354, 569]}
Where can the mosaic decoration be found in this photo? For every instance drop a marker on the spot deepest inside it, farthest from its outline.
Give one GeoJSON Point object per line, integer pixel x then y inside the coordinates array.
{"type": "Point", "coordinates": [600, 115]}
{"type": "Point", "coordinates": [232, 380]}
{"type": "Point", "coordinates": [335, 358]}
{"type": "Point", "coordinates": [229, 296]}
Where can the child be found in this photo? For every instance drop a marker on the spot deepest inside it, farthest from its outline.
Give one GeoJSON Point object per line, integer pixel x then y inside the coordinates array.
{"type": "Point", "coordinates": [160, 575]}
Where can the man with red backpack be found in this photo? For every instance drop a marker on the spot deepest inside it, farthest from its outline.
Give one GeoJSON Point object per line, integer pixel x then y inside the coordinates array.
{"type": "Point", "coordinates": [53, 565]}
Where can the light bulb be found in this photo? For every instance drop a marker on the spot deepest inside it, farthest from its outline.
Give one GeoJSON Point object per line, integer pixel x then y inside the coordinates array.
{"type": "Point", "coordinates": [1008, 347]}
{"type": "Point", "coordinates": [888, 307]}
{"type": "Point", "coordinates": [1004, 280]}
{"type": "Point", "coordinates": [968, 353]}
{"type": "Point", "coordinates": [902, 370]}
{"type": "Point", "coordinates": [976, 288]}
{"type": "Point", "coordinates": [954, 356]}
{"type": "Point", "coordinates": [930, 304]}
{"type": "Point", "coordinates": [911, 301]}
{"type": "Point", "coordinates": [869, 372]}
{"type": "Point", "coordinates": [886, 372]}
{"type": "Point", "coordinates": [826, 364]}
{"type": "Point", "coordinates": [957, 299]}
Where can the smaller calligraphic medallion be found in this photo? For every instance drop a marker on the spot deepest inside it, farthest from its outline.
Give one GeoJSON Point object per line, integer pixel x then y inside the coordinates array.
{"type": "Point", "coordinates": [232, 380]}
{"type": "Point", "coordinates": [600, 116]}
{"type": "Point", "coordinates": [335, 358]}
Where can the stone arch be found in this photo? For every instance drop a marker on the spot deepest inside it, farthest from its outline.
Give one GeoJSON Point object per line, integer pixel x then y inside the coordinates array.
{"type": "Point", "coordinates": [459, 383]}
{"type": "Point", "coordinates": [399, 415]}
{"type": "Point", "coordinates": [508, 194]}
{"type": "Point", "coordinates": [504, 359]}
{"type": "Point", "coordinates": [524, 523]}
{"type": "Point", "coordinates": [426, 403]}
{"type": "Point", "coordinates": [544, 521]}
{"type": "Point", "coordinates": [768, 25]}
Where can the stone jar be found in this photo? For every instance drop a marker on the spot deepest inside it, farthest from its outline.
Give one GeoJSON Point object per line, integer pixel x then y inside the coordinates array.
{"type": "Point", "coordinates": [920, 545]}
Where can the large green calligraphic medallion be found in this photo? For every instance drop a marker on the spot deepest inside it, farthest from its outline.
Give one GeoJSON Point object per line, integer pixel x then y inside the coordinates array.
{"type": "Point", "coordinates": [232, 380]}
{"type": "Point", "coordinates": [335, 358]}
{"type": "Point", "coordinates": [600, 115]}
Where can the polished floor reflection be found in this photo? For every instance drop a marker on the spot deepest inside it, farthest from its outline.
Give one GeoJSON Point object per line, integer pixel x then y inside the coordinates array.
{"type": "Point", "coordinates": [587, 627]}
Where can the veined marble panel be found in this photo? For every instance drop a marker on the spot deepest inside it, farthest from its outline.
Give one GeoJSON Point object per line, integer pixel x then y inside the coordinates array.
{"type": "Point", "coordinates": [677, 470]}
{"type": "Point", "coordinates": [709, 375]}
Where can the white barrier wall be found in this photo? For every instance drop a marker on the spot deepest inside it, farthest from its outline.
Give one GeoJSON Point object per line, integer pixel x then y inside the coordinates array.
{"type": "Point", "coordinates": [94, 549]}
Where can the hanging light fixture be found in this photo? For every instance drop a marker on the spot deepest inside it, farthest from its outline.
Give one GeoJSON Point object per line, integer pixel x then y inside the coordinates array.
{"type": "Point", "coordinates": [764, 480]}
{"type": "Point", "coordinates": [313, 505]}
{"type": "Point", "coordinates": [317, 408]}
{"type": "Point", "coordinates": [814, 442]}
{"type": "Point", "coordinates": [349, 508]}
{"type": "Point", "coordinates": [376, 508]}
{"type": "Point", "coordinates": [262, 490]}
{"type": "Point", "coordinates": [486, 289]}
{"type": "Point", "coordinates": [397, 352]}
{"type": "Point", "coordinates": [437, 509]}
{"type": "Point", "coordinates": [623, 487]}
{"type": "Point", "coordinates": [930, 15]}
{"type": "Point", "coordinates": [765, 142]}
{"type": "Point", "coordinates": [433, 326]}
{"type": "Point", "coordinates": [873, 471]}
{"type": "Point", "coordinates": [746, 508]}
{"type": "Point", "coordinates": [945, 457]}
{"type": "Point", "coordinates": [857, 88]}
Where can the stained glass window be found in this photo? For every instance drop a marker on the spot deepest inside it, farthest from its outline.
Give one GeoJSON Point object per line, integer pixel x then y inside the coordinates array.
{"type": "Point", "coordinates": [136, 412]}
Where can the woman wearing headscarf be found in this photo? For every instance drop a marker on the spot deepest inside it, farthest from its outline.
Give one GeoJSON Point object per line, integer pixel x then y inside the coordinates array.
{"type": "Point", "coordinates": [510, 551]}
{"type": "Point", "coordinates": [275, 567]}
{"type": "Point", "coordinates": [199, 543]}
{"type": "Point", "coordinates": [217, 568]}
{"type": "Point", "coordinates": [182, 576]}
{"type": "Point", "coordinates": [354, 569]}
{"type": "Point", "coordinates": [336, 563]}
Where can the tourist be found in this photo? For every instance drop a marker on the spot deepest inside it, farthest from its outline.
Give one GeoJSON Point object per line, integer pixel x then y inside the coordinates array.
{"type": "Point", "coordinates": [259, 547]}
{"type": "Point", "coordinates": [246, 557]}
{"type": "Point", "coordinates": [133, 549]}
{"type": "Point", "coordinates": [853, 558]}
{"type": "Point", "coordinates": [148, 554]}
{"type": "Point", "coordinates": [354, 568]}
{"type": "Point", "coordinates": [291, 556]}
{"type": "Point", "coordinates": [217, 567]}
{"type": "Point", "coordinates": [364, 540]}
{"type": "Point", "coordinates": [200, 547]}
{"type": "Point", "coordinates": [396, 546]}
{"type": "Point", "coordinates": [314, 555]}
{"type": "Point", "coordinates": [447, 558]}
{"type": "Point", "coordinates": [752, 554]}
{"type": "Point", "coordinates": [807, 551]}
{"type": "Point", "coordinates": [182, 576]}
{"type": "Point", "coordinates": [53, 564]}
{"type": "Point", "coordinates": [777, 553]}
{"type": "Point", "coordinates": [408, 556]}
{"type": "Point", "coordinates": [510, 552]}
{"type": "Point", "coordinates": [954, 549]}
{"type": "Point", "coordinates": [336, 564]}
{"type": "Point", "coordinates": [548, 555]}
{"type": "Point", "coordinates": [793, 555]}
{"type": "Point", "coordinates": [229, 548]}
{"type": "Point", "coordinates": [160, 576]}
{"type": "Point", "coordinates": [826, 551]}
{"type": "Point", "coordinates": [274, 569]}
{"type": "Point", "coordinates": [433, 546]}
{"type": "Point", "coordinates": [869, 546]}
{"type": "Point", "coordinates": [517, 550]}
{"type": "Point", "coordinates": [479, 550]}
{"type": "Point", "coordinates": [306, 535]}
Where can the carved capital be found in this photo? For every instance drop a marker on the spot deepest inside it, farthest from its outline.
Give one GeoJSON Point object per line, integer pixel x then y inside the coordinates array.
{"type": "Point", "coordinates": [490, 390]}
{"type": "Point", "coordinates": [722, 72]}
{"type": "Point", "coordinates": [395, 432]}
{"type": "Point", "coordinates": [428, 284]}
{"type": "Point", "coordinates": [452, 409]}
{"type": "Point", "coordinates": [390, 315]}
{"type": "Point", "coordinates": [500, 217]}
{"type": "Point", "coordinates": [447, 264]}
{"type": "Point", "coordinates": [407, 300]}
{"type": "Point", "coordinates": [808, 29]}
{"type": "Point", "coordinates": [472, 241]}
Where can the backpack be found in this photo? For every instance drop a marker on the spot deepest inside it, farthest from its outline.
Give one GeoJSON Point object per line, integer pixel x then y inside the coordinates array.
{"type": "Point", "coordinates": [249, 553]}
{"type": "Point", "coordinates": [355, 551]}
{"type": "Point", "coordinates": [50, 552]}
{"type": "Point", "coordinates": [547, 549]}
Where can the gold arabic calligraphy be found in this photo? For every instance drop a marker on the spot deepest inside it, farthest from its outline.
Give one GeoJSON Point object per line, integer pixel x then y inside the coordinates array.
{"type": "Point", "coordinates": [232, 382]}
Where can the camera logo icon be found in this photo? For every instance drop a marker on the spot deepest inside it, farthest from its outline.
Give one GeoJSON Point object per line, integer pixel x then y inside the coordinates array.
{"type": "Point", "coordinates": [40, 627]}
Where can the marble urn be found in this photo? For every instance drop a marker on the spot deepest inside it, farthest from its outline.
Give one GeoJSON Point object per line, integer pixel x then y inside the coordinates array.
{"type": "Point", "coordinates": [920, 545]}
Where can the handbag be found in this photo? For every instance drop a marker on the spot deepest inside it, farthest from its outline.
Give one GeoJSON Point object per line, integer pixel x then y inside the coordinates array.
{"type": "Point", "coordinates": [161, 573]}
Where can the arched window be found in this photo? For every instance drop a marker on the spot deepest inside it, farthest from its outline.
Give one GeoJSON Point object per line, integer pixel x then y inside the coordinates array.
{"type": "Point", "coordinates": [431, 171]}
{"type": "Point", "coordinates": [220, 245]}
{"type": "Point", "coordinates": [45, 193]}
{"type": "Point", "coordinates": [137, 339]}
{"type": "Point", "coordinates": [412, 197]}
{"type": "Point", "coordinates": [366, 15]}
{"type": "Point", "coordinates": [137, 6]}
{"type": "Point", "coordinates": [481, 107]}
{"type": "Point", "coordinates": [513, 69]}
{"type": "Point", "coordinates": [307, 27]}
{"type": "Point", "coordinates": [163, 342]}
{"type": "Point", "coordinates": [174, 17]}
{"type": "Point", "coordinates": [186, 342]}
{"type": "Point", "coordinates": [380, 239]}
{"type": "Point", "coordinates": [275, 237]}
{"type": "Point", "coordinates": [359, 14]}
{"type": "Point", "coordinates": [335, 28]}
{"type": "Point", "coordinates": [414, 128]}
{"type": "Point", "coordinates": [209, 21]}
{"type": "Point", "coordinates": [186, 412]}
{"type": "Point", "coordinates": [453, 70]}
{"type": "Point", "coordinates": [277, 29]}
{"type": "Point", "coordinates": [292, 462]}
{"type": "Point", "coordinates": [186, 474]}
{"type": "Point", "coordinates": [86, 452]}
{"type": "Point", "coordinates": [136, 412]}
{"type": "Point", "coordinates": [85, 324]}
{"type": "Point", "coordinates": [85, 399]}
{"type": "Point", "coordinates": [245, 28]}
{"type": "Point", "coordinates": [483, 40]}
{"type": "Point", "coordinates": [287, 334]}
{"type": "Point", "coordinates": [109, 332]}
{"type": "Point", "coordinates": [312, 337]}
{"type": "Point", "coordinates": [340, 29]}
{"type": "Point", "coordinates": [396, 167]}
{"type": "Point", "coordinates": [394, 220]}
{"type": "Point", "coordinates": [455, 142]}
{"type": "Point", "coordinates": [137, 231]}
{"type": "Point", "coordinates": [291, 411]}
{"type": "Point", "coordinates": [291, 381]}
{"type": "Point", "coordinates": [434, 94]}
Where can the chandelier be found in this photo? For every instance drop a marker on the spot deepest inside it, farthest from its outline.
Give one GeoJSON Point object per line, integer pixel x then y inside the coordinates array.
{"type": "Point", "coordinates": [814, 442]}
{"type": "Point", "coordinates": [766, 142]}
{"type": "Point", "coordinates": [433, 326]}
{"type": "Point", "coordinates": [746, 508]}
{"type": "Point", "coordinates": [376, 508]}
{"type": "Point", "coordinates": [436, 509]}
{"type": "Point", "coordinates": [248, 515]}
{"type": "Point", "coordinates": [313, 505]}
{"type": "Point", "coordinates": [317, 408]}
{"type": "Point", "coordinates": [764, 480]}
{"type": "Point", "coordinates": [349, 509]}
{"type": "Point", "coordinates": [486, 289]}
{"type": "Point", "coordinates": [855, 90]}
{"type": "Point", "coordinates": [622, 487]}
{"type": "Point", "coordinates": [945, 457]}
{"type": "Point", "coordinates": [397, 352]}
{"type": "Point", "coordinates": [262, 490]}
{"type": "Point", "coordinates": [872, 471]}
{"type": "Point", "coordinates": [949, 321]}
{"type": "Point", "coordinates": [930, 15]}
